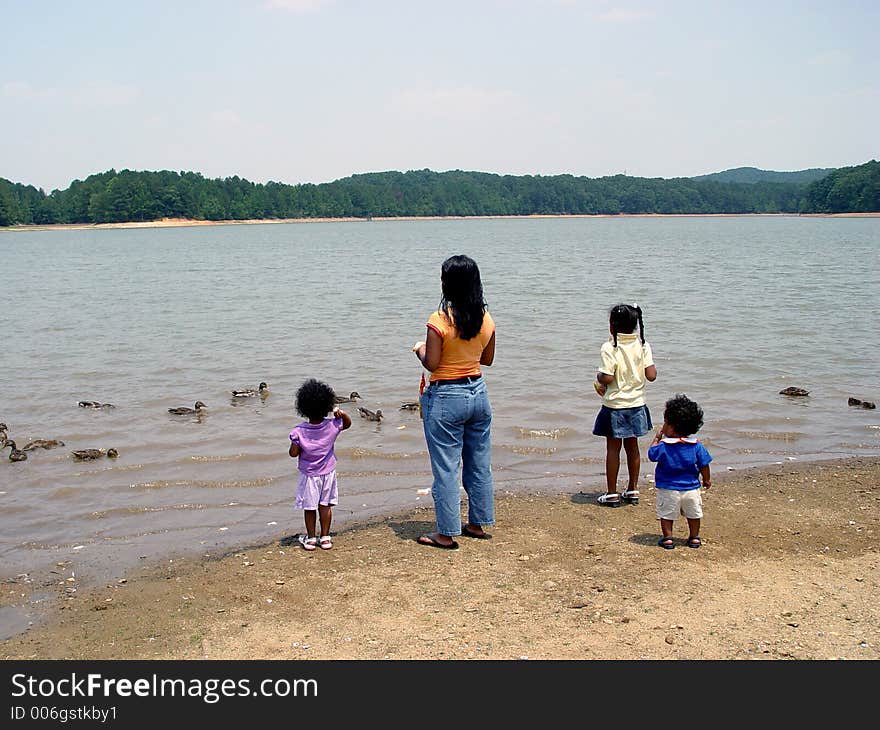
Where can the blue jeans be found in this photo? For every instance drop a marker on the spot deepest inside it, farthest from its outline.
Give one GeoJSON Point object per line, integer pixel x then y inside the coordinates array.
{"type": "Point", "coordinates": [457, 419]}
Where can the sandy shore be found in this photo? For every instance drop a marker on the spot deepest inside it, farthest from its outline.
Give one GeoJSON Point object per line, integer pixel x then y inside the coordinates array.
{"type": "Point", "coordinates": [788, 569]}
{"type": "Point", "coordinates": [176, 222]}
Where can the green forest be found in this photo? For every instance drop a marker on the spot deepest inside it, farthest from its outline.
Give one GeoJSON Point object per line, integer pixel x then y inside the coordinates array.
{"type": "Point", "coordinates": [127, 195]}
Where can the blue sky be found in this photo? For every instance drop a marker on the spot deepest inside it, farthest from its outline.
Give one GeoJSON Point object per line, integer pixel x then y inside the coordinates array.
{"type": "Point", "coordinates": [314, 90]}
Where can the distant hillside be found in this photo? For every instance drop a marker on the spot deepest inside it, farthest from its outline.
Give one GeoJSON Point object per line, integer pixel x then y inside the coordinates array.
{"type": "Point", "coordinates": [129, 195]}
{"type": "Point", "coordinates": [751, 175]}
{"type": "Point", "coordinates": [846, 190]}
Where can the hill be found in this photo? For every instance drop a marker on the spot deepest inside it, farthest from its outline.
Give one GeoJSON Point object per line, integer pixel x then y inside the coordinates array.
{"type": "Point", "coordinates": [751, 175]}
{"type": "Point", "coordinates": [133, 196]}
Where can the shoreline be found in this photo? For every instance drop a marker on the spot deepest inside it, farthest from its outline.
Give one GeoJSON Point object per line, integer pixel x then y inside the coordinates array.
{"type": "Point", "coordinates": [185, 222]}
{"type": "Point", "coordinates": [562, 578]}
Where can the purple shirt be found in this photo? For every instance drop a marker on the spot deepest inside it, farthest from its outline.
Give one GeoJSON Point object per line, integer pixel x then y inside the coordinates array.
{"type": "Point", "coordinates": [315, 441]}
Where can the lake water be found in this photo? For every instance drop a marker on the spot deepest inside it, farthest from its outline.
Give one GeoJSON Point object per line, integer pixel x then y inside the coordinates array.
{"type": "Point", "coordinates": [735, 309]}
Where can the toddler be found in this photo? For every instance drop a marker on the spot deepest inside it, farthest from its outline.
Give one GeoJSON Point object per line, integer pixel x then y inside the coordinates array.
{"type": "Point", "coordinates": [682, 462]}
{"type": "Point", "coordinates": [312, 441]}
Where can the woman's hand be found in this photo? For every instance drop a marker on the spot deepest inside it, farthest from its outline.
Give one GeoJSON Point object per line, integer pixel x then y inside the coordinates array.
{"type": "Point", "coordinates": [420, 348]}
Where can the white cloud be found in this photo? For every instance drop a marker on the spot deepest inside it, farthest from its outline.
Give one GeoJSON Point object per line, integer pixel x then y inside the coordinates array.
{"type": "Point", "coordinates": [297, 6]}
{"type": "Point", "coordinates": [225, 118]}
{"type": "Point", "coordinates": [18, 89]}
{"type": "Point", "coordinates": [454, 102]}
{"type": "Point", "coordinates": [624, 15]}
{"type": "Point", "coordinates": [833, 57]}
{"type": "Point", "coordinates": [22, 90]}
{"type": "Point", "coordinates": [105, 93]}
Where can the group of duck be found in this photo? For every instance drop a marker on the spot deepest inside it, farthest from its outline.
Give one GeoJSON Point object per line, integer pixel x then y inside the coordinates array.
{"type": "Point", "coordinates": [366, 412]}
{"type": "Point", "coordinates": [21, 454]}
{"type": "Point", "coordinates": [262, 390]}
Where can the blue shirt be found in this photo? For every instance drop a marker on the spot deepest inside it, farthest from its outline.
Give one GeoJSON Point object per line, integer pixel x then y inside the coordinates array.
{"type": "Point", "coordinates": [678, 463]}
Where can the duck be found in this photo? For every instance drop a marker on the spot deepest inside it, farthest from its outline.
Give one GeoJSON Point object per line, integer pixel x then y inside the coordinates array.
{"type": "Point", "coordinates": [409, 406]}
{"type": "Point", "coordinates": [188, 411]}
{"type": "Point", "coordinates": [352, 397]}
{"type": "Point", "coordinates": [794, 391]}
{"type": "Point", "coordinates": [15, 454]}
{"type": "Point", "coordinates": [94, 404]}
{"type": "Point", "coordinates": [370, 415]}
{"type": "Point", "coordinates": [250, 392]}
{"type": "Point", "coordinates": [92, 454]}
{"type": "Point", "coordinates": [42, 444]}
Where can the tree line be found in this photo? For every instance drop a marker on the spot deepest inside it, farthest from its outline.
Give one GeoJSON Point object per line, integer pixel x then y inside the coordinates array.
{"type": "Point", "coordinates": [127, 195]}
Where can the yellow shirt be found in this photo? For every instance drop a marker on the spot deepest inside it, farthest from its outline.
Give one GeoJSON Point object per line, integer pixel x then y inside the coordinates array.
{"type": "Point", "coordinates": [459, 357]}
{"type": "Point", "coordinates": [627, 363]}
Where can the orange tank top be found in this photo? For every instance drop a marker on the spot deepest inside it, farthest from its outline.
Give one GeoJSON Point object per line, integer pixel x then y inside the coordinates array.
{"type": "Point", "coordinates": [459, 357]}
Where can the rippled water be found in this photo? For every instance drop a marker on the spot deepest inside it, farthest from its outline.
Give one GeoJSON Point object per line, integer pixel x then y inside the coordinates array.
{"type": "Point", "coordinates": [735, 309]}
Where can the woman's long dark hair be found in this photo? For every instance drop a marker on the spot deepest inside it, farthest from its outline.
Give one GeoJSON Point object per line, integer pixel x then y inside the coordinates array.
{"type": "Point", "coordinates": [463, 294]}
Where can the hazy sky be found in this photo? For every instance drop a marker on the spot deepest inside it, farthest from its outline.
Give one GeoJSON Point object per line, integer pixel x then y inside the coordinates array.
{"type": "Point", "coordinates": [314, 90]}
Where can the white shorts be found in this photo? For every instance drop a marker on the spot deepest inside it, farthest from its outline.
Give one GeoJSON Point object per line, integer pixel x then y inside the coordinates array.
{"type": "Point", "coordinates": [314, 490]}
{"type": "Point", "coordinates": [671, 503]}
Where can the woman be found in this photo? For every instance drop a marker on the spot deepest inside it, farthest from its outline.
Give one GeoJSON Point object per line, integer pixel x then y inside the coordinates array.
{"type": "Point", "coordinates": [456, 414]}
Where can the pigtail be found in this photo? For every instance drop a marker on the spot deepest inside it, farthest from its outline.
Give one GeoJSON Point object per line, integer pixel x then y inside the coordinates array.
{"type": "Point", "coordinates": [641, 324]}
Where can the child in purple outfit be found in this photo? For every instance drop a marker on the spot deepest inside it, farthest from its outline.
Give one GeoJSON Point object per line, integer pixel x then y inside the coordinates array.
{"type": "Point", "coordinates": [312, 441]}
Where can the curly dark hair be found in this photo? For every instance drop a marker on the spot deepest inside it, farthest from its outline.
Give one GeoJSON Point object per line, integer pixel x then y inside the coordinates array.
{"type": "Point", "coordinates": [315, 399]}
{"type": "Point", "coordinates": [685, 416]}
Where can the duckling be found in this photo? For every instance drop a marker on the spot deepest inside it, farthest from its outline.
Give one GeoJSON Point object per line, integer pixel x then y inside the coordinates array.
{"type": "Point", "coordinates": [370, 415]}
{"type": "Point", "coordinates": [92, 454]}
{"type": "Point", "coordinates": [15, 454]}
{"type": "Point", "coordinates": [188, 411]}
{"type": "Point", "coordinates": [42, 444]}
{"type": "Point", "coordinates": [94, 404]}
{"type": "Point", "coordinates": [250, 392]}
{"type": "Point", "coordinates": [794, 391]}
{"type": "Point", "coordinates": [409, 406]}
{"type": "Point", "coordinates": [353, 396]}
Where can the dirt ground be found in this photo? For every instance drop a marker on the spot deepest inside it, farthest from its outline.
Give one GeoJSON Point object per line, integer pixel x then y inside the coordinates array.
{"type": "Point", "coordinates": [788, 569]}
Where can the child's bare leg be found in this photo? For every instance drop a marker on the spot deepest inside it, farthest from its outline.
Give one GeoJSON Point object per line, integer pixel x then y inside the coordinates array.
{"type": "Point", "coordinates": [326, 512]}
{"type": "Point", "coordinates": [693, 527]}
{"type": "Point", "coordinates": [612, 462]}
{"type": "Point", "coordinates": [633, 462]}
{"type": "Point", "coordinates": [666, 527]}
{"type": "Point", "coordinates": [310, 517]}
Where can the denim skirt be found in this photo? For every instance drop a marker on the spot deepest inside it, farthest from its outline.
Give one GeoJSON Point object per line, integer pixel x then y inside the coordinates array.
{"type": "Point", "coordinates": [623, 423]}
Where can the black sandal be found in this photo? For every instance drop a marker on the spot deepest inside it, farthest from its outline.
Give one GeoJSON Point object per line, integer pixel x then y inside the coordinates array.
{"type": "Point", "coordinates": [694, 542]}
{"type": "Point", "coordinates": [667, 543]}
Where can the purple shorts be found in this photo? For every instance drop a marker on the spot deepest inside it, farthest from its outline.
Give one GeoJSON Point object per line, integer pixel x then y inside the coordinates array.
{"type": "Point", "coordinates": [314, 490]}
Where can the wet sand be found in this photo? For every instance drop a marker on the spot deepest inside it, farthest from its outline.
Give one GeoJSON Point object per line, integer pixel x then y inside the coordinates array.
{"type": "Point", "coordinates": [788, 569]}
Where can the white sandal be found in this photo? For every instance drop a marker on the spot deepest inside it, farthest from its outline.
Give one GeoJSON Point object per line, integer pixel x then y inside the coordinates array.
{"type": "Point", "coordinates": [631, 496]}
{"type": "Point", "coordinates": [308, 543]}
{"type": "Point", "coordinates": [609, 500]}
{"type": "Point", "coordinates": [325, 542]}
